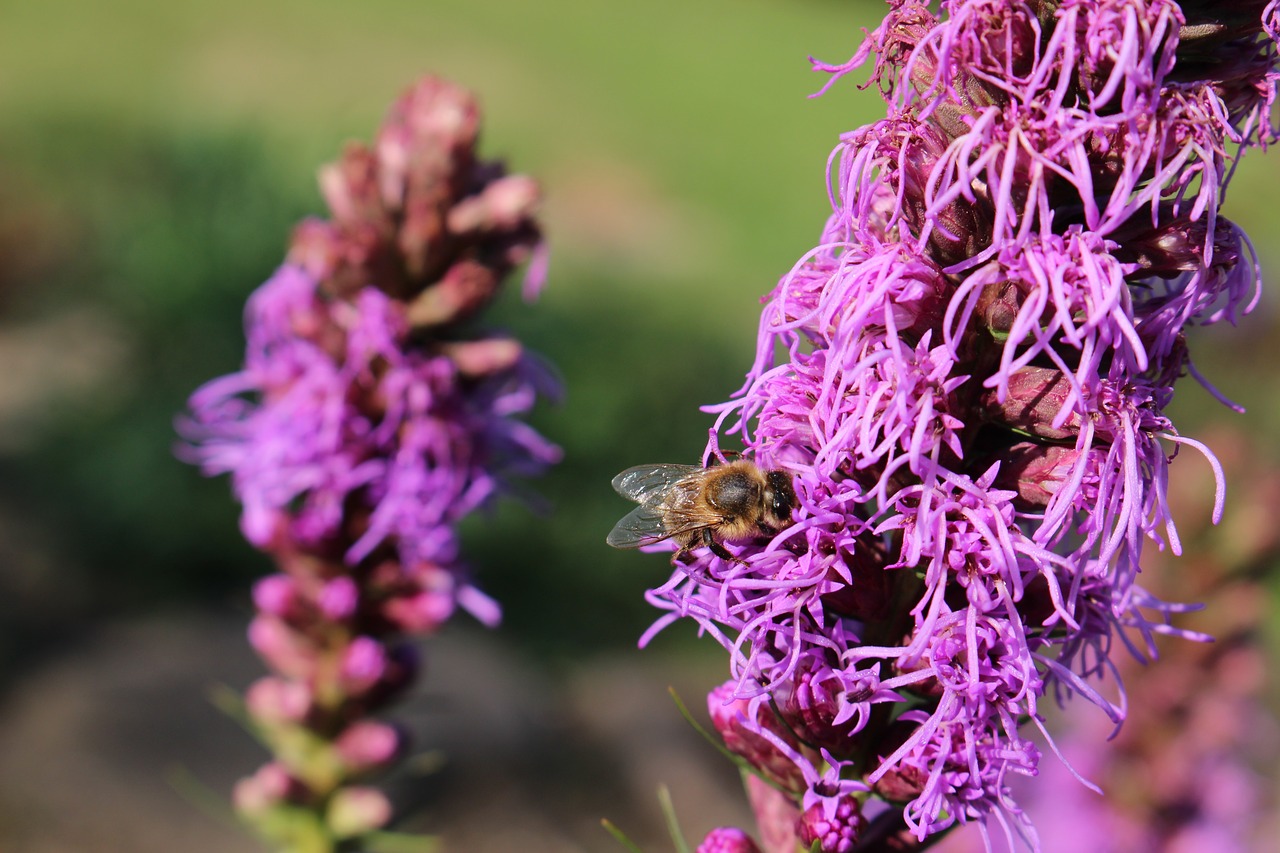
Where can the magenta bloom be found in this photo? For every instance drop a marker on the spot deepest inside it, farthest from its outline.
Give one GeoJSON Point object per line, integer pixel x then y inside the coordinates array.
{"type": "Point", "coordinates": [727, 840]}
{"type": "Point", "coordinates": [363, 417]}
{"type": "Point", "coordinates": [369, 418]}
{"type": "Point", "coordinates": [979, 354]}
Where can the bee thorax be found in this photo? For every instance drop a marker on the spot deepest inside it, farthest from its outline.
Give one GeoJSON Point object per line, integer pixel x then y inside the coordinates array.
{"type": "Point", "coordinates": [734, 493]}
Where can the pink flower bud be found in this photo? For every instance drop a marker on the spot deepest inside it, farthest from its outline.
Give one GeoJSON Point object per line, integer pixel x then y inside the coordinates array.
{"type": "Point", "coordinates": [741, 736]}
{"type": "Point", "coordinates": [349, 186]}
{"type": "Point", "coordinates": [816, 706]}
{"type": "Point", "coordinates": [420, 613]}
{"type": "Point", "coordinates": [998, 307]}
{"type": "Point", "coordinates": [277, 700]}
{"type": "Point", "coordinates": [368, 744]}
{"type": "Point", "coordinates": [1035, 398]}
{"type": "Point", "coordinates": [285, 650]}
{"type": "Point", "coordinates": [426, 139]}
{"type": "Point", "coordinates": [503, 205]}
{"type": "Point", "coordinates": [1037, 472]}
{"type": "Point", "coordinates": [357, 810]}
{"type": "Point", "coordinates": [315, 247]}
{"type": "Point", "coordinates": [901, 784]}
{"type": "Point", "coordinates": [260, 524]}
{"type": "Point", "coordinates": [339, 599]}
{"type": "Point", "coordinates": [276, 595]}
{"type": "Point", "coordinates": [363, 664]}
{"type": "Point", "coordinates": [475, 359]}
{"type": "Point", "coordinates": [464, 289]}
{"type": "Point", "coordinates": [727, 839]}
{"type": "Point", "coordinates": [270, 786]}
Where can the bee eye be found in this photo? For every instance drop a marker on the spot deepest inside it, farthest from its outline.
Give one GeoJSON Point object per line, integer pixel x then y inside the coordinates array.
{"type": "Point", "coordinates": [780, 497]}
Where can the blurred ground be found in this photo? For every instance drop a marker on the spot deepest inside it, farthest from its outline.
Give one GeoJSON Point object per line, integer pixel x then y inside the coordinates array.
{"type": "Point", "coordinates": [98, 741]}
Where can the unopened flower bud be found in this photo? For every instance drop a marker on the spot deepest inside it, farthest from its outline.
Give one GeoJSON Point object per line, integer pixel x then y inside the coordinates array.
{"type": "Point", "coordinates": [466, 287]}
{"type": "Point", "coordinates": [833, 831]}
{"type": "Point", "coordinates": [363, 664]}
{"type": "Point", "coordinates": [960, 230]}
{"type": "Point", "coordinates": [420, 613]}
{"type": "Point", "coordinates": [727, 839]}
{"type": "Point", "coordinates": [277, 700]}
{"type": "Point", "coordinates": [426, 140]}
{"type": "Point", "coordinates": [357, 810]}
{"type": "Point", "coordinates": [503, 205]}
{"type": "Point", "coordinates": [1177, 245]}
{"type": "Point", "coordinates": [316, 247]}
{"type": "Point", "coordinates": [998, 307]}
{"type": "Point", "coordinates": [1035, 398]}
{"type": "Point", "coordinates": [741, 737]}
{"type": "Point", "coordinates": [368, 744]}
{"type": "Point", "coordinates": [902, 784]}
{"type": "Point", "coordinates": [284, 649]}
{"type": "Point", "coordinates": [349, 186]}
{"type": "Point", "coordinates": [276, 595]}
{"type": "Point", "coordinates": [270, 786]}
{"type": "Point", "coordinates": [339, 599]}
{"type": "Point", "coordinates": [1038, 471]}
{"type": "Point", "coordinates": [476, 359]}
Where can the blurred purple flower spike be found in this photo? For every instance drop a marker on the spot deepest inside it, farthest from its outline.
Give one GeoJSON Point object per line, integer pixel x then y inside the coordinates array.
{"type": "Point", "coordinates": [369, 418]}
{"type": "Point", "coordinates": [979, 354]}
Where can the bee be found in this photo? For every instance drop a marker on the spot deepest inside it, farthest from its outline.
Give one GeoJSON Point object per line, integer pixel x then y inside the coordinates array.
{"type": "Point", "coordinates": [708, 506]}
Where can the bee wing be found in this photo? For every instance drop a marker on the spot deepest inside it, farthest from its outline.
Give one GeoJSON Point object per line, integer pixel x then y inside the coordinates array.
{"type": "Point", "coordinates": [645, 525]}
{"type": "Point", "coordinates": [647, 484]}
{"type": "Point", "coordinates": [642, 526]}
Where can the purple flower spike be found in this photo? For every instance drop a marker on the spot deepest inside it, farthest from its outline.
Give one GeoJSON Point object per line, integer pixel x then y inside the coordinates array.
{"type": "Point", "coordinates": [372, 414]}
{"type": "Point", "coordinates": [967, 380]}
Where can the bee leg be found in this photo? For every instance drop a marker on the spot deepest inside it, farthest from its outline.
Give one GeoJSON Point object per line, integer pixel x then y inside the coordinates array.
{"type": "Point", "coordinates": [718, 549]}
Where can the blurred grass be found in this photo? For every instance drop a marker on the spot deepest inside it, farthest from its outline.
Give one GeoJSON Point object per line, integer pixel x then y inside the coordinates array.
{"type": "Point", "coordinates": [153, 158]}
{"type": "Point", "coordinates": [169, 148]}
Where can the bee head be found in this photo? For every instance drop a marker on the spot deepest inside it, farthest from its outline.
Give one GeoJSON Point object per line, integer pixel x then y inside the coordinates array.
{"type": "Point", "coordinates": [779, 499]}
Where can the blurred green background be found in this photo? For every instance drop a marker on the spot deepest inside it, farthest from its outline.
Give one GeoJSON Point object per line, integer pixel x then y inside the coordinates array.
{"type": "Point", "coordinates": [154, 156]}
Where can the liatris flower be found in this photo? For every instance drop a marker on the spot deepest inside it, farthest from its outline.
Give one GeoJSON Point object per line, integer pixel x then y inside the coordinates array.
{"type": "Point", "coordinates": [1189, 770]}
{"type": "Point", "coordinates": [369, 418]}
{"type": "Point", "coordinates": [979, 356]}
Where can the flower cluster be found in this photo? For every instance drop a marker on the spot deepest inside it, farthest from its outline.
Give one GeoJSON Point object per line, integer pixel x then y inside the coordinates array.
{"type": "Point", "coordinates": [1189, 770]}
{"type": "Point", "coordinates": [978, 359]}
{"type": "Point", "coordinates": [369, 418]}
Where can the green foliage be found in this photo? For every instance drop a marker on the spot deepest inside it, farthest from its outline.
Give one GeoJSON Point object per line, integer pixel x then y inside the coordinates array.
{"type": "Point", "coordinates": [171, 233]}
{"type": "Point", "coordinates": [157, 174]}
